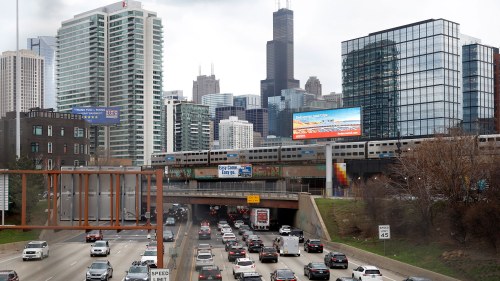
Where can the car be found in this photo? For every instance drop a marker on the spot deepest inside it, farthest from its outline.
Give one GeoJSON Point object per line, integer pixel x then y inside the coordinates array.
{"type": "Point", "coordinates": [220, 223]}
{"type": "Point", "coordinates": [228, 237]}
{"type": "Point", "coordinates": [204, 232]}
{"type": "Point", "coordinates": [268, 253]}
{"type": "Point", "coordinates": [245, 235]}
{"type": "Point", "coordinates": [168, 235]}
{"type": "Point", "coordinates": [345, 279]}
{"type": "Point", "coordinates": [8, 275]}
{"type": "Point", "coordinates": [150, 256]}
{"type": "Point", "coordinates": [243, 228]}
{"type": "Point", "coordinates": [93, 236]}
{"type": "Point", "coordinates": [336, 259]}
{"type": "Point", "coordinates": [152, 244]}
{"type": "Point", "coordinates": [203, 246]}
{"type": "Point", "coordinates": [367, 272]}
{"type": "Point", "coordinates": [238, 223]}
{"type": "Point", "coordinates": [100, 248]}
{"type": "Point", "coordinates": [250, 276]}
{"type": "Point", "coordinates": [243, 265]}
{"type": "Point", "coordinates": [210, 273]}
{"type": "Point", "coordinates": [170, 221]}
{"type": "Point", "coordinates": [226, 229]}
{"type": "Point", "coordinates": [99, 270]}
{"type": "Point", "coordinates": [254, 245]}
{"type": "Point", "coordinates": [285, 230]}
{"type": "Point", "coordinates": [415, 278]}
{"type": "Point", "coordinates": [299, 233]}
{"type": "Point", "coordinates": [283, 275]}
{"type": "Point", "coordinates": [204, 258]}
{"type": "Point", "coordinates": [229, 244]}
{"type": "Point", "coordinates": [36, 250]}
{"type": "Point", "coordinates": [316, 270]}
{"type": "Point", "coordinates": [313, 245]}
{"type": "Point", "coordinates": [137, 271]}
{"type": "Point", "coordinates": [251, 237]}
{"type": "Point", "coordinates": [236, 251]}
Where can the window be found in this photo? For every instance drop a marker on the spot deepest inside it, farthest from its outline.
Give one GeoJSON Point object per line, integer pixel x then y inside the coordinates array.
{"type": "Point", "coordinates": [49, 147]}
{"type": "Point", "coordinates": [49, 131]}
{"type": "Point", "coordinates": [76, 148]}
{"type": "Point", "coordinates": [37, 130]}
{"type": "Point", "coordinates": [35, 147]}
{"type": "Point", "coordinates": [76, 163]}
{"type": "Point", "coordinates": [65, 149]}
{"type": "Point", "coordinates": [78, 132]}
{"type": "Point", "coordinates": [50, 164]}
{"type": "Point", "coordinates": [62, 132]}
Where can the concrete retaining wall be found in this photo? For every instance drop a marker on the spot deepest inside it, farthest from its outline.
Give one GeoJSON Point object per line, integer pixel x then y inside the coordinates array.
{"type": "Point", "coordinates": [309, 219]}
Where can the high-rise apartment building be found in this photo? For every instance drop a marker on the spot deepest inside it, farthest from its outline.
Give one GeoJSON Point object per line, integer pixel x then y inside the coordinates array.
{"type": "Point", "coordinates": [407, 79]}
{"type": "Point", "coordinates": [31, 81]}
{"type": "Point", "coordinates": [496, 59]}
{"type": "Point", "coordinates": [279, 58]}
{"type": "Point", "coordinates": [235, 134]}
{"type": "Point", "coordinates": [313, 86]}
{"type": "Point", "coordinates": [204, 85]}
{"type": "Point", "coordinates": [174, 95]}
{"type": "Point", "coordinates": [216, 100]}
{"type": "Point", "coordinates": [247, 101]}
{"type": "Point", "coordinates": [335, 98]}
{"type": "Point", "coordinates": [45, 47]}
{"type": "Point", "coordinates": [224, 112]}
{"type": "Point", "coordinates": [259, 117]}
{"type": "Point", "coordinates": [192, 127]}
{"type": "Point", "coordinates": [112, 56]}
{"type": "Point", "coordinates": [478, 88]}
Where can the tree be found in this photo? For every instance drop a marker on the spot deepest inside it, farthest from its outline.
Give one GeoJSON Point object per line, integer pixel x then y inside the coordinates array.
{"type": "Point", "coordinates": [35, 185]}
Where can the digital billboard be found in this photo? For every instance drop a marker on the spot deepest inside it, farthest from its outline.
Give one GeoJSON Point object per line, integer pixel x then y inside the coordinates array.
{"type": "Point", "coordinates": [99, 115]}
{"type": "Point", "coordinates": [329, 123]}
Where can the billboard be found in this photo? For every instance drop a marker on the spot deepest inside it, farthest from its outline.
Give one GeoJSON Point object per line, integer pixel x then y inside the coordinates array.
{"type": "Point", "coordinates": [329, 123]}
{"type": "Point", "coordinates": [99, 115]}
{"type": "Point", "coordinates": [340, 172]}
{"type": "Point", "coordinates": [235, 171]}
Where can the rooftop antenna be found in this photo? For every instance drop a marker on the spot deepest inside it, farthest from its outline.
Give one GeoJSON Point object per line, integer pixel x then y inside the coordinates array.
{"type": "Point", "coordinates": [289, 4]}
{"type": "Point", "coordinates": [199, 70]}
{"type": "Point", "coordinates": [277, 3]}
{"type": "Point", "coordinates": [212, 68]}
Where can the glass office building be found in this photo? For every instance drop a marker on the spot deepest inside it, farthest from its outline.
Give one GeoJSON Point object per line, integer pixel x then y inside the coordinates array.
{"type": "Point", "coordinates": [406, 79]}
{"type": "Point", "coordinates": [478, 88]}
{"type": "Point", "coordinates": [281, 109]}
{"type": "Point", "coordinates": [45, 46]}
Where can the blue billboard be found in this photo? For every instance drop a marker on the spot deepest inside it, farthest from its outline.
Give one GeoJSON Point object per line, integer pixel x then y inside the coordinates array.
{"type": "Point", "coordinates": [99, 115]}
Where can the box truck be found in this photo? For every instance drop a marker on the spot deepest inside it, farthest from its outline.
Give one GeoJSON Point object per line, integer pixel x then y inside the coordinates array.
{"type": "Point", "coordinates": [259, 218]}
{"type": "Point", "coordinates": [287, 245]}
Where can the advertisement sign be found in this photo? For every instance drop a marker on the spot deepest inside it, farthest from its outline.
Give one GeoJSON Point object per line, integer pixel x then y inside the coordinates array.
{"type": "Point", "coordinates": [99, 115]}
{"type": "Point", "coordinates": [329, 123]}
{"type": "Point", "coordinates": [235, 171]}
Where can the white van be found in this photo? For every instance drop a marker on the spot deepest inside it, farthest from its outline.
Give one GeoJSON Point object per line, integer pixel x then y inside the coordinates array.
{"type": "Point", "coordinates": [287, 245]}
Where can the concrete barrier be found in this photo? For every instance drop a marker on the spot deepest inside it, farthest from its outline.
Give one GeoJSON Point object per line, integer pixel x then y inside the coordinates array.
{"type": "Point", "coordinates": [309, 219]}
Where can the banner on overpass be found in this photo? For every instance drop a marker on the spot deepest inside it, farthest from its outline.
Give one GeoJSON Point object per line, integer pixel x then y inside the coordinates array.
{"type": "Point", "coordinates": [235, 171]}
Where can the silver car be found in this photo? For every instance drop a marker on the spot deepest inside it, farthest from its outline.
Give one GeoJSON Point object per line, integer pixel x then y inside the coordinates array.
{"type": "Point", "coordinates": [100, 248]}
{"type": "Point", "coordinates": [99, 270]}
{"type": "Point", "coordinates": [204, 258]}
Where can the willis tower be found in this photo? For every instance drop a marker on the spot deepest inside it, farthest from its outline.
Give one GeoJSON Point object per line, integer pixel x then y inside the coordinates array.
{"type": "Point", "coordinates": [279, 57]}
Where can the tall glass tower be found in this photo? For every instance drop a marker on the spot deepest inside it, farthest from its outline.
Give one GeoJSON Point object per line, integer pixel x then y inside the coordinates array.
{"type": "Point", "coordinates": [112, 56]}
{"type": "Point", "coordinates": [45, 46]}
{"type": "Point", "coordinates": [279, 58]}
{"type": "Point", "coordinates": [406, 79]}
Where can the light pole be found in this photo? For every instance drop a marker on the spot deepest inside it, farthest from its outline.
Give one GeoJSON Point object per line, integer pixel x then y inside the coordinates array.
{"type": "Point", "coordinates": [18, 87]}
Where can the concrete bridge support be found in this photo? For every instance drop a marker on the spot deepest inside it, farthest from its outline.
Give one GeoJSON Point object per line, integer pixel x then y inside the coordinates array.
{"type": "Point", "coordinates": [309, 219]}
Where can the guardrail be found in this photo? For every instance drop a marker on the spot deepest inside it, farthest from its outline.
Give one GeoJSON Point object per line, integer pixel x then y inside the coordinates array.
{"type": "Point", "coordinates": [232, 193]}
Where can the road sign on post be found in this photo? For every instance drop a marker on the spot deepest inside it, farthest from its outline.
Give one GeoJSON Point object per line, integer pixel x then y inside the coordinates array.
{"type": "Point", "coordinates": [384, 231]}
{"type": "Point", "coordinates": [253, 199]}
{"type": "Point", "coordinates": [160, 274]}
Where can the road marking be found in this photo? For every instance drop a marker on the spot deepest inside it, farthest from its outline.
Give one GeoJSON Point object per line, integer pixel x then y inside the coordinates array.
{"type": "Point", "coordinates": [388, 278]}
{"type": "Point", "coordinates": [49, 278]}
{"type": "Point", "coordinates": [73, 263]}
{"type": "Point", "coordinates": [16, 257]}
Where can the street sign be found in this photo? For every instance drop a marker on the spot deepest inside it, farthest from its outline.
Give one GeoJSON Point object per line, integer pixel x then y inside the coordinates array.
{"type": "Point", "coordinates": [384, 231]}
{"type": "Point", "coordinates": [160, 274]}
{"type": "Point", "coordinates": [4, 192]}
{"type": "Point", "coordinates": [253, 199]}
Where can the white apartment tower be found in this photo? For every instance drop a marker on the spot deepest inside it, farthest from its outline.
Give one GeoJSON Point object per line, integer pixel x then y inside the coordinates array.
{"type": "Point", "coordinates": [31, 81]}
{"type": "Point", "coordinates": [235, 134]}
{"type": "Point", "coordinates": [112, 56]}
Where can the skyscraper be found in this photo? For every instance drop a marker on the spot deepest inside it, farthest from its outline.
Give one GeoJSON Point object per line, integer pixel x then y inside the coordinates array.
{"type": "Point", "coordinates": [31, 81]}
{"type": "Point", "coordinates": [260, 120]}
{"type": "Point", "coordinates": [120, 65]}
{"type": "Point", "coordinates": [235, 134]}
{"type": "Point", "coordinates": [204, 85]}
{"type": "Point", "coordinates": [216, 100]}
{"type": "Point", "coordinates": [281, 110]}
{"type": "Point", "coordinates": [192, 127]}
{"type": "Point", "coordinates": [247, 101]}
{"type": "Point", "coordinates": [45, 47]}
{"type": "Point", "coordinates": [224, 112]}
{"type": "Point", "coordinates": [313, 86]}
{"type": "Point", "coordinates": [279, 61]}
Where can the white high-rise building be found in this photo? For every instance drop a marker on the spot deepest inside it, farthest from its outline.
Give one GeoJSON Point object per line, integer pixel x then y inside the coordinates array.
{"type": "Point", "coordinates": [235, 134]}
{"type": "Point", "coordinates": [31, 81]}
{"type": "Point", "coordinates": [112, 56]}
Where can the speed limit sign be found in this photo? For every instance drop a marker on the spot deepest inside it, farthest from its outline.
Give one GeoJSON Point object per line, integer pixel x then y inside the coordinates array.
{"type": "Point", "coordinates": [384, 231]}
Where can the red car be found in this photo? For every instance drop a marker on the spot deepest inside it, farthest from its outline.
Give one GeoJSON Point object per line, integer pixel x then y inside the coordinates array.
{"type": "Point", "coordinates": [8, 275]}
{"type": "Point", "coordinates": [94, 235]}
{"type": "Point", "coordinates": [283, 275]}
{"type": "Point", "coordinates": [313, 245]}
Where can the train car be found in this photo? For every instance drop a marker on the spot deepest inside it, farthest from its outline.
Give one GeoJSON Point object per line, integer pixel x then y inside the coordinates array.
{"type": "Point", "coordinates": [168, 158]}
{"type": "Point", "coordinates": [200, 157]}
{"type": "Point", "coordinates": [259, 155]}
{"type": "Point", "coordinates": [489, 144]}
{"type": "Point", "coordinates": [349, 150]}
{"type": "Point", "coordinates": [225, 156]}
{"type": "Point", "coordinates": [313, 153]}
{"type": "Point", "coordinates": [389, 148]}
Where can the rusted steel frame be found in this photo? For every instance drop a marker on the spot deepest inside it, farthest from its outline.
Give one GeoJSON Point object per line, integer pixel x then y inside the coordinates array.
{"type": "Point", "coordinates": [117, 197]}
{"type": "Point", "coordinates": [78, 172]}
{"type": "Point", "coordinates": [148, 201]}
{"type": "Point", "coordinates": [80, 198]}
{"type": "Point", "coordinates": [86, 206]}
{"type": "Point", "coordinates": [81, 227]}
{"type": "Point", "coordinates": [111, 214]}
{"type": "Point", "coordinates": [159, 217]}
{"type": "Point", "coordinates": [137, 197]}
{"type": "Point", "coordinates": [48, 198]}
{"type": "Point", "coordinates": [23, 200]}
{"type": "Point", "coordinates": [54, 203]}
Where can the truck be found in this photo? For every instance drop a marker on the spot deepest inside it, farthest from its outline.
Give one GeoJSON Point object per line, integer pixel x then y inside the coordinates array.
{"type": "Point", "coordinates": [259, 218]}
{"type": "Point", "coordinates": [287, 245]}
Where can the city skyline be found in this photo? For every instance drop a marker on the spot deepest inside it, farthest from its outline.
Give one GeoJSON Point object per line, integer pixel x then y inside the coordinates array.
{"type": "Point", "coordinates": [198, 33]}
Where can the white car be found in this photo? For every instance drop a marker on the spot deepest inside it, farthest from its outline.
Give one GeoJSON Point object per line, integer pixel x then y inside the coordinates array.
{"type": "Point", "coordinates": [285, 230]}
{"type": "Point", "coordinates": [150, 256]}
{"type": "Point", "coordinates": [100, 248]}
{"type": "Point", "coordinates": [204, 258]}
{"type": "Point", "coordinates": [367, 272]}
{"type": "Point", "coordinates": [243, 265]}
{"type": "Point", "coordinates": [221, 223]}
{"type": "Point", "coordinates": [228, 236]}
{"type": "Point", "coordinates": [238, 223]}
{"type": "Point", "coordinates": [226, 230]}
{"type": "Point", "coordinates": [36, 250]}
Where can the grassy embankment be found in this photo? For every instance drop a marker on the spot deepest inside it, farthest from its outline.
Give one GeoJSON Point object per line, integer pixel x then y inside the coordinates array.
{"type": "Point", "coordinates": [39, 217]}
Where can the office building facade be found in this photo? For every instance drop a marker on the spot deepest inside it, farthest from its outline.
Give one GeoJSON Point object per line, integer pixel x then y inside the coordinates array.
{"type": "Point", "coordinates": [313, 86]}
{"type": "Point", "coordinates": [259, 117]}
{"type": "Point", "coordinates": [120, 65]}
{"type": "Point", "coordinates": [224, 112]}
{"type": "Point", "coordinates": [279, 58]}
{"type": "Point", "coordinates": [407, 79]}
{"type": "Point", "coordinates": [235, 134]}
{"type": "Point", "coordinates": [204, 85]}
{"type": "Point", "coordinates": [281, 110]}
{"type": "Point", "coordinates": [192, 127]}
{"type": "Point", "coordinates": [247, 101]}
{"type": "Point", "coordinates": [214, 101]}
{"type": "Point", "coordinates": [45, 47]}
{"type": "Point", "coordinates": [32, 73]}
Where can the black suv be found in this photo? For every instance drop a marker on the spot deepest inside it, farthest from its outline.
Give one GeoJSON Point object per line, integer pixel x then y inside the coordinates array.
{"type": "Point", "coordinates": [299, 233]}
{"type": "Point", "coordinates": [336, 259]}
{"type": "Point", "coordinates": [254, 246]}
{"type": "Point", "coordinates": [268, 253]}
{"type": "Point", "coordinates": [236, 251]}
{"type": "Point", "coordinates": [212, 272]}
{"type": "Point", "coordinates": [138, 271]}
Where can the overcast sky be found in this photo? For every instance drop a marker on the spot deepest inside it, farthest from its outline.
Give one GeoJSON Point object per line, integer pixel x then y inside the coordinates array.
{"type": "Point", "coordinates": [232, 34]}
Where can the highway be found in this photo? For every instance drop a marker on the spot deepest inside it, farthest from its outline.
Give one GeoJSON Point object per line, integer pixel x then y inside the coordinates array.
{"type": "Point", "coordinates": [70, 258]}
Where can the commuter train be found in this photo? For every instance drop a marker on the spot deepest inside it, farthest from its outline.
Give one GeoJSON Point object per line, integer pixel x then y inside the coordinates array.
{"type": "Point", "coordinates": [312, 153]}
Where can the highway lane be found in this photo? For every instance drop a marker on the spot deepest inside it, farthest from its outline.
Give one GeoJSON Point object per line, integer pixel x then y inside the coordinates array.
{"type": "Point", "coordinates": [296, 264]}
{"type": "Point", "coordinates": [70, 258]}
